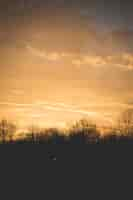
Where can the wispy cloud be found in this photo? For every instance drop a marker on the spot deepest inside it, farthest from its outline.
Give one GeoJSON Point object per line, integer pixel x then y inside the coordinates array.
{"type": "Point", "coordinates": [62, 105]}
{"type": "Point", "coordinates": [38, 110]}
{"type": "Point", "coordinates": [123, 60]}
{"type": "Point", "coordinates": [15, 104]}
{"type": "Point", "coordinates": [54, 56]}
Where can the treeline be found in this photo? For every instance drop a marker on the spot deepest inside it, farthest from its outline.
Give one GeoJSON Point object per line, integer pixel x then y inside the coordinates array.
{"type": "Point", "coordinates": [80, 132]}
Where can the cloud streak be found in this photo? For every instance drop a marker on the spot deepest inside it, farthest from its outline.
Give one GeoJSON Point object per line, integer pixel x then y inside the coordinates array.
{"type": "Point", "coordinates": [54, 56]}
{"type": "Point", "coordinates": [39, 110]}
{"type": "Point", "coordinates": [123, 60]}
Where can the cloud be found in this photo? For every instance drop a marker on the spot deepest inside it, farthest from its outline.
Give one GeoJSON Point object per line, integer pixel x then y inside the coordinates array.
{"type": "Point", "coordinates": [39, 110]}
{"type": "Point", "coordinates": [123, 60]}
{"type": "Point", "coordinates": [50, 106]}
{"type": "Point", "coordinates": [36, 52]}
{"type": "Point", "coordinates": [15, 104]}
{"type": "Point", "coordinates": [58, 104]}
{"type": "Point", "coordinates": [64, 108]}
{"type": "Point", "coordinates": [54, 56]}
{"type": "Point", "coordinates": [89, 60]}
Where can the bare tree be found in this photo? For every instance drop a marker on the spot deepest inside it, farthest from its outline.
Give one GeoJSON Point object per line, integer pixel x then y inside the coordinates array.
{"type": "Point", "coordinates": [7, 130]}
{"type": "Point", "coordinates": [34, 132]}
{"type": "Point", "coordinates": [3, 130]}
{"type": "Point", "coordinates": [11, 130]}
{"type": "Point", "coordinates": [84, 130]}
{"type": "Point", "coordinates": [125, 122]}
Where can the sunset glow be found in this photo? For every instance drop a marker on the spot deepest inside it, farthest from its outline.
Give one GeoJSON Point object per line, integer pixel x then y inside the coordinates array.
{"type": "Point", "coordinates": [59, 62]}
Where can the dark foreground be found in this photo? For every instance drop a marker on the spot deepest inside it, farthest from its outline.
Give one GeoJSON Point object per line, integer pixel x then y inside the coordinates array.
{"type": "Point", "coordinates": [90, 149]}
{"type": "Point", "coordinates": [79, 138]}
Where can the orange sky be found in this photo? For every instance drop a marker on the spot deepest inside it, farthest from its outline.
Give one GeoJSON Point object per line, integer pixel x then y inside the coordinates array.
{"type": "Point", "coordinates": [57, 72]}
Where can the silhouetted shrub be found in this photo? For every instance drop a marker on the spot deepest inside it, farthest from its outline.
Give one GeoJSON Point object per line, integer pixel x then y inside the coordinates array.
{"type": "Point", "coordinates": [7, 131]}
{"type": "Point", "coordinates": [83, 132]}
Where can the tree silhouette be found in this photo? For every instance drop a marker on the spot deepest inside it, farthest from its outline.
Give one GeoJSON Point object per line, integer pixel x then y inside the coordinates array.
{"type": "Point", "coordinates": [55, 136]}
{"type": "Point", "coordinates": [125, 122]}
{"type": "Point", "coordinates": [7, 130]}
{"type": "Point", "coordinates": [83, 132]}
{"type": "Point", "coordinates": [34, 132]}
{"type": "Point", "coordinates": [11, 130]}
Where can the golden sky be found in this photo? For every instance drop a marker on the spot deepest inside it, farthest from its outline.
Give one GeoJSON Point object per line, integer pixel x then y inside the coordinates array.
{"type": "Point", "coordinates": [58, 67]}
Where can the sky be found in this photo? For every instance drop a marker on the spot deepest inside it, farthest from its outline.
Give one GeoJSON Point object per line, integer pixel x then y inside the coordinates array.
{"type": "Point", "coordinates": [63, 60]}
